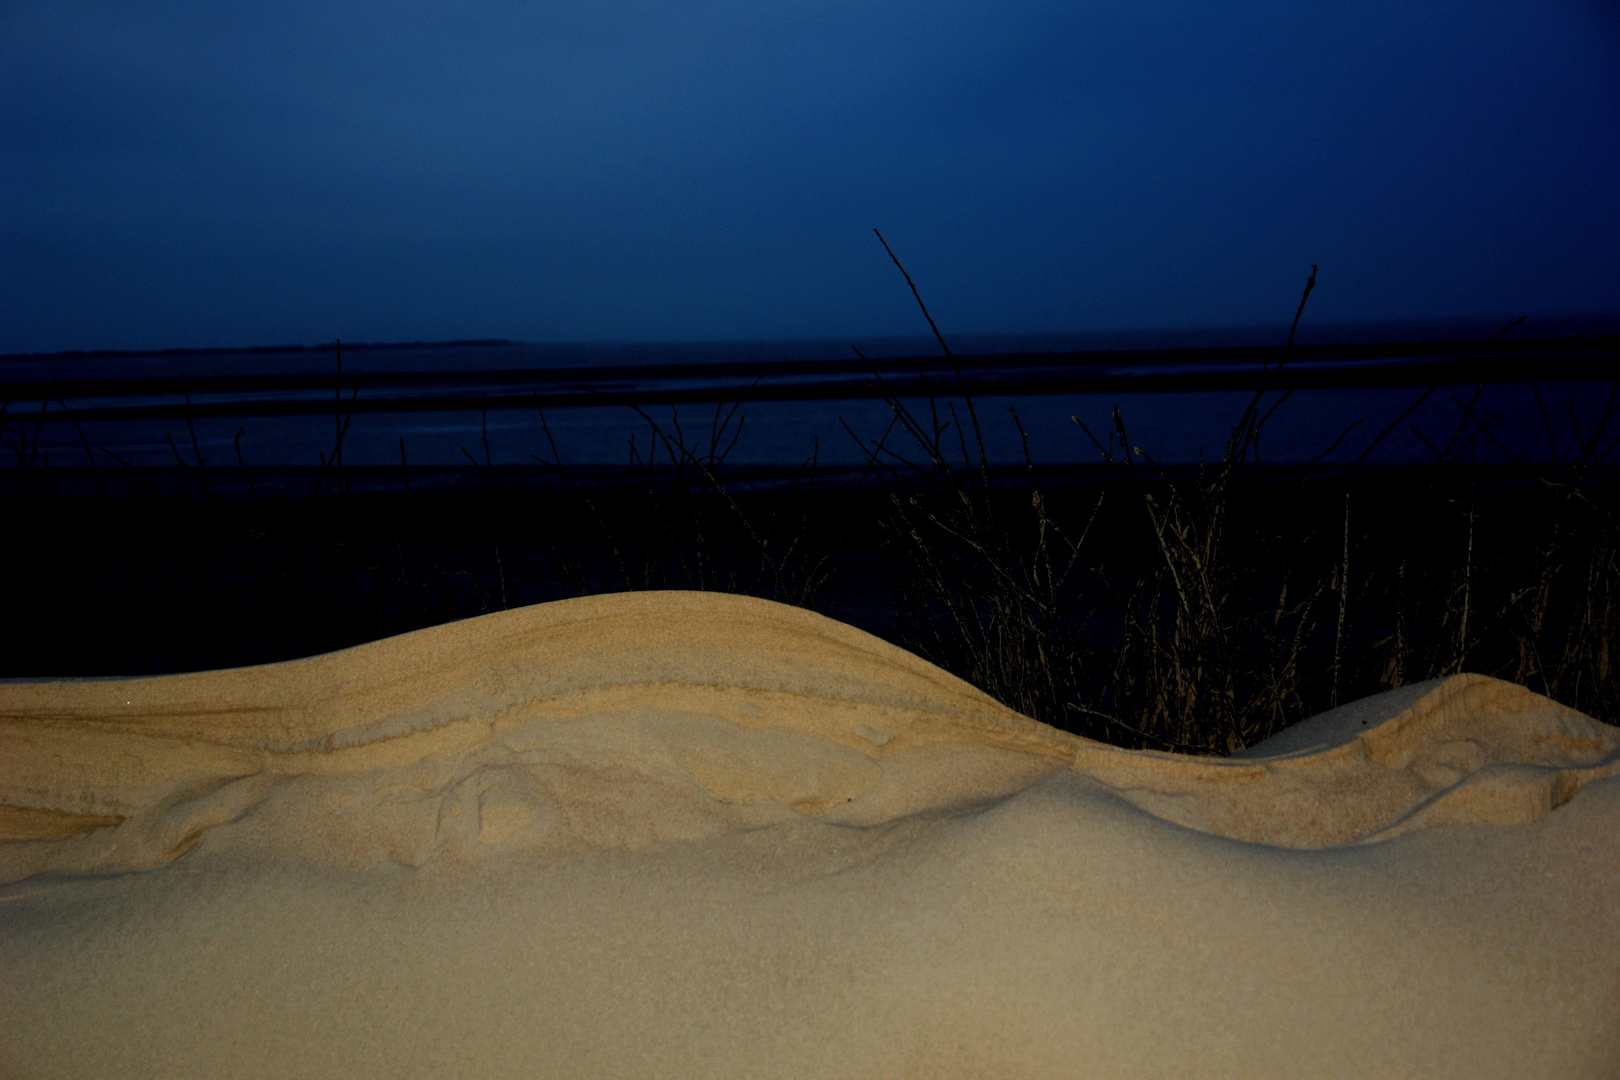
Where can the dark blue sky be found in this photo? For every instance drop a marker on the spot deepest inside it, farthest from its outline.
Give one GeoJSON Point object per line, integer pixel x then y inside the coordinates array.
{"type": "Point", "coordinates": [230, 173]}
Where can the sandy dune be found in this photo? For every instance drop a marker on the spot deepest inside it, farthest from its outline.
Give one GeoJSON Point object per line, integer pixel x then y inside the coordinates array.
{"type": "Point", "coordinates": [699, 835]}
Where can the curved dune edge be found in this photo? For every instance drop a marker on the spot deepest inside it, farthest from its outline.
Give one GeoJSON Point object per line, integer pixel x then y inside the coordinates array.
{"type": "Point", "coordinates": [630, 719]}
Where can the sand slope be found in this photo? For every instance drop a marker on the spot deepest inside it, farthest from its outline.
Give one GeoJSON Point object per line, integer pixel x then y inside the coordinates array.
{"type": "Point", "coordinates": [691, 834]}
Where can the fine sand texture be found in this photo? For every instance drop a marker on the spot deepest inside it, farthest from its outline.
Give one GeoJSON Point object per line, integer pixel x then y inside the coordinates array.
{"type": "Point", "coordinates": [682, 834]}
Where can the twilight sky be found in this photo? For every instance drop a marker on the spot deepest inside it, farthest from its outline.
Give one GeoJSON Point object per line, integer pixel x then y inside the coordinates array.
{"type": "Point", "coordinates": [223, 173]}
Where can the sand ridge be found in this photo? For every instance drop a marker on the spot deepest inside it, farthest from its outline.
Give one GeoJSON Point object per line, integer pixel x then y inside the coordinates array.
{"type": "Point", "coordinates": [697, 834]}
{"type": "Point", "coordinates": [729, 698]}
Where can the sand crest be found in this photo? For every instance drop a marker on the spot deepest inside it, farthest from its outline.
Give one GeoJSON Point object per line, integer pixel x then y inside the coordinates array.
{"type": "Point", "coordinates": [693, 834]}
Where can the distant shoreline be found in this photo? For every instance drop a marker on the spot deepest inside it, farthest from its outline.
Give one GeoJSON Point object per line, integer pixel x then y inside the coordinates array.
{"type": "Point", "coordinates": [1593, 323]}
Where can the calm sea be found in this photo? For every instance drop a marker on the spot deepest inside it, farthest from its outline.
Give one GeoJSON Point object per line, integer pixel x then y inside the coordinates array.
{"type": "Point", "coordinates": [592, 433]}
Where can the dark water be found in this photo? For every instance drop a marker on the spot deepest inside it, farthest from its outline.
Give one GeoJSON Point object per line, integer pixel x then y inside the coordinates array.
{"type": "Point", "coordinates": [1173, 426]}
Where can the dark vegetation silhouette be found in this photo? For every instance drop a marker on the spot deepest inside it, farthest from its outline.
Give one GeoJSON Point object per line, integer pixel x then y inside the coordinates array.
{"type": "Point", "coordinates": [1196, 610]}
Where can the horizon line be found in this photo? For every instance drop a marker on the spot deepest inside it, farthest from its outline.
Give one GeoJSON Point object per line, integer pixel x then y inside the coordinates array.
{"type": "Point", "coordinates": [335, 343]}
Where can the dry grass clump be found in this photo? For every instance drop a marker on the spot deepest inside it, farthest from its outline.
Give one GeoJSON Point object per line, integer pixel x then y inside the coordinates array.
{"type": "Point", "coordinates": [1204, 611]}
